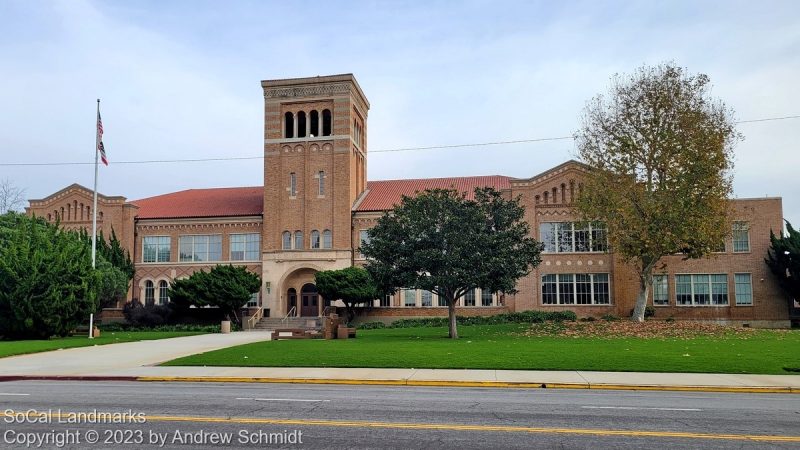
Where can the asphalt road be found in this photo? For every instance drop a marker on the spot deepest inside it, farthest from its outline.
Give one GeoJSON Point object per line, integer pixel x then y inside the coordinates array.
{"type": "Point", "coordinates": [334, 416]}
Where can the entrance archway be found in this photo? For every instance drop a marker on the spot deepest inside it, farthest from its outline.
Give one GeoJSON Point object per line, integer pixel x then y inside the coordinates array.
{"type": "Point", "coordinates": [309, 306]}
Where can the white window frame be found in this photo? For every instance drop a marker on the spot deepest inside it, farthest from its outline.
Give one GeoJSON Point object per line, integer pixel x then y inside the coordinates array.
{"type": "Point", "coordinates": [208, 248]}
{"type": "Point", "coordinates": [157, 244]}
{"type": "Point", "coordinates": [406, 296]}
{"type": "Point", "coordinates": [165, 299]}
{"type": "Point", "coordinates": [283, 240]}
{"type": "Point", "coordinates": [327, 239]}
{"type": "Point", "coordinates": [710, 290]}
{"type": "Point", "coordinates": [422, 298]}
{"type": "Point", "coordinates": [740, 226]}
{"type": "Point", "coordinates": [245, 242]}
{"type": "Point", "coordinates": [253, 301]}
{"type": "Point", "coordinates": [666, 289]}
{"type": "Point", "coordinates": [151, 294]}
{"type": "Point", "coordinates": [295, 235]}
{"type": "Point", "coordinates": [736, 288]}
{"type": "Point", "coordinates": [557, 225]}
{"type": "Point", "coordinates": [574, 283]}
{"type": "Point", "coordinates": [491, 297]}
{"type": "Point", "coordinates": [316, 240]}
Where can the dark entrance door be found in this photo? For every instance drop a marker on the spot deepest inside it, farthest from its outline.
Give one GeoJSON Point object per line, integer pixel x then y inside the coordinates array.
{"type": "Point", "coordinates": [292, 298]}
{"type": "Point", "coordinates": [309, 301]}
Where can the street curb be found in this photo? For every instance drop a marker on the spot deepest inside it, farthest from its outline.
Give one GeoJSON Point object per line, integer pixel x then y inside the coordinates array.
{"type": "Point", "coordinates": [4, 378]}
{"type": "Point", "coordinates": [484, 384]}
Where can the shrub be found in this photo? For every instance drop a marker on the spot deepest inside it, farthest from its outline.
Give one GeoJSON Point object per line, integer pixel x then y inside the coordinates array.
{"type": "Point", "coordinates": [139, 315]}
{"type": "Point", "coordinates": [670, 319]}
{"type": "Point", "coordinates": [372, 325]}
{"type": "Point", "coordinates": [610, 318]}
{"type": "Point", "coordinates": [120, 327]}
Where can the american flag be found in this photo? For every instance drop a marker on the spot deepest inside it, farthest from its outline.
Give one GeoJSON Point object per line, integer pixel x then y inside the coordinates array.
{"type": "Point", "coordinates": [100, 146]}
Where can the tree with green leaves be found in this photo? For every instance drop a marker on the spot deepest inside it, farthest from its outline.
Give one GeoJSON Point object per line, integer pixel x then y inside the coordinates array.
{"type": "Point", "coordinates": [47, 284]}
{"type": "Point", "coordinates": [659, 147]}
{"type": "Point", "coordinates": [443, 242]}
{"type": "Point", "coordinates": [353, 286]}
{"type": "Point", "coordinates": [112, 284]}
{"type": "Point", "coordinates": [783, 259]}
{"type": "Point", "coordinates": [227, 287]}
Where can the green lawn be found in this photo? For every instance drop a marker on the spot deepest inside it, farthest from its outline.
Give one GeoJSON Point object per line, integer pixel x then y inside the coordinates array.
{"type": "Point", "coordinates": [9, 348]}
{"type": "Point", "coordinates": [502, 347]}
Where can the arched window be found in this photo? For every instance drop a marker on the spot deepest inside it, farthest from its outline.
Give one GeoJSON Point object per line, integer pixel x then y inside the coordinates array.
{"type": "Point", "coordinates": [82, 210]}
{"type": "Point", "coordinates": [563, 193]}
{"type": "Point", "coordinates": [49, 217]}
{"type": "Point", "coordinates": [149, 293]}
{"type": "Point", "coordinates": [287, 240]}
{"type": "Point", "coordinates": [288, 125]}
{"type": "Point", "coordinates": [301, 124]}
{"type": "Point", "coordinates": [545, 194]}
{"type": "Point", "coordinates": [162, 292]}
{"type": "Point", "coordinates": [313, 122]}
{"type": "Point", "coordinates": [327, 239]}
{"type": "Point", "coordinates": [298, 240]}
{"type": "Point", "coordinates": [326, 122]}
{"type": "Point", "coordinates": [555, 199]}
{"type": "Point", "coordinates": [314, 239]}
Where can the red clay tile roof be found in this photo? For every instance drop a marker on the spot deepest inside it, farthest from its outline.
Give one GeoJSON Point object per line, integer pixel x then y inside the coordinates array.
{"type": "Point", "coordinates": [383, 195]}
{"type": "Point", "coordinates": [219, 202]}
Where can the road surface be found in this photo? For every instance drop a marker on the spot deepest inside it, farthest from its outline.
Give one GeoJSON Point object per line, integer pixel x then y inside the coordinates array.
{"type": "Point", "coordinates": [252, 415]}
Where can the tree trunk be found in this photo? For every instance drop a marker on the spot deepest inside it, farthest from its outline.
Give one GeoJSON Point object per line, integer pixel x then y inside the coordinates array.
{"type": "Point", "coordinates": [641, 299]}
{"type": "Point", "coordinates": [351, 314]}
{"type": "Point", "coordinates": [451, 310]}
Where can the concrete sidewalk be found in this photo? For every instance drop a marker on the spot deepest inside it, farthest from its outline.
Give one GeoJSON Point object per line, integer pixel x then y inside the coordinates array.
{"type": "Point", "coordinates": [138, 361]}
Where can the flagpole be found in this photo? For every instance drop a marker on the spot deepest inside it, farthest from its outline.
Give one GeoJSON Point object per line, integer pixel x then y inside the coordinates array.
{"type": "Point", "coordinates": [94, 205]}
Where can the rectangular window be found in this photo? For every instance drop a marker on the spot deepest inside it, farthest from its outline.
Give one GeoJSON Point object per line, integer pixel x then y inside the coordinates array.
{"type": "Point", "coordinates": [660, 290]}
{"type": "Point", "coordinates": [155, 249]}
{"type": "Point", "coordinates": [410, 297]}
{"type": "Point", "coordinates": [549, 290]}
{"type": "Point", "coordinates": [576, 289]}
{"type": "Point", "coordinates": [293, 184]}
{"type": "Point", "coordinates": [245, 247]}
{"type": "Point", "coordinates": [298, 240]}
{"type": "Point", "coordinates": [570, 237]}
{"type": "Point", "coordinates": [741, 237]}
{"type": "Point", "coordinates": [386, 300]}
{"type": "Point", "coordinates": [701, 290]}
{"type": "Point", "coordinates": [469, 298]}
{"type": "Point", "coordinates": [321, 176]}
{"type": "Point", "coordinates": [442, 301]}
{"type": "Point", "coordinates": [253, 302]}
{"type": "Point", "coordinates": [486, 297]}
{"type": "Point", "coordinates": [200, 248]}
{"type": "Point", "coordinates": [363, 238]}
{"type": "Point", "coordinates": [427, 298]}
{"type": "Point", "coordinates": [744, 289]}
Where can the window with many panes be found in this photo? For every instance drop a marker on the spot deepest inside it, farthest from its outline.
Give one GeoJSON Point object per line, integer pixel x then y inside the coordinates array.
{"type": "Point", "coordinates": [386, 300]}
{"type": "Point", "coordinates": [570, 237]}
{"type": "Point", "coordinates": [741, 237]}
{"type": "Point", "coordinates": [701, 289]}
{"type": "Point", "coordinates": [576, 289]}
{"type": "Point", "coordinates": [245, 247]}
{"type": "Point", "coordinates": [486, 297]}
{"type": "Point", "coordinates": [253, 301]}
{"type": "Point", "coordinates": [163, 289]}
{"type": "Point", "coordinates": [286, 239]}
{"type": "Point", "coordinates": [410, 297]}
{"type": "Point", "coordinates": [149, 293]}
{"type": "Point", "coordinates": [426, 298]}
{"type": "Point", "coordinates": [363, 237]}
{"type": "Point", "coordinates": [327, 239]}
{"type": "Point", "coordinates": [744, 289]}
{"type": "Point", "coordinates": [660, 290]}
{"type": "Point", "coordinates": [315, 239]}
{"type": "Point", "coordinates": [469, 298]}
{"type": "Point", "coordinates": [298, 240]}
{"type": "Point", "coordinates": [155, 249]}
{"type": "Point", "coordinates": [200, 248]}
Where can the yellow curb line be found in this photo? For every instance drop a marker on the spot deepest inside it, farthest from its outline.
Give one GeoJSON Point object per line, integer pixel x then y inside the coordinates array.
{"type": "Point", "coordinates": [484, 384]}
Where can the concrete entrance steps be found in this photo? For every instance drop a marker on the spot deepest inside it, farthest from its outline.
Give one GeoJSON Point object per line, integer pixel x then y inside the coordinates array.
{"type": "Point", "coordinates": [272, 323]}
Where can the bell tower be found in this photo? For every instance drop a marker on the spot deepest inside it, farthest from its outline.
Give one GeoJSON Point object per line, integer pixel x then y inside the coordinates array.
{"type": "Point", "coordinates": [315, 146]}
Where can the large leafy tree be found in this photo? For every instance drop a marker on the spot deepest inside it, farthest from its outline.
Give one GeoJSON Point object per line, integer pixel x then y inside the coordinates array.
{"type": "Point", "coordinates": [443, 242]}
{"type": "Point", "coordinates": [660, 151]}
{"type": "Point", "coordinates": [47, 284]}
{"type": "Point", "coordinates": [227, 287]}
{"type": "Point", "coordinates": [783, 258]}
{"type": "Point", "coordinates": [353, 286]}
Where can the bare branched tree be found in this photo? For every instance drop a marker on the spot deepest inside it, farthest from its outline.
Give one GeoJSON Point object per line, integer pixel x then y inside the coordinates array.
{"type": "Point", "coordinates": [12, 198]}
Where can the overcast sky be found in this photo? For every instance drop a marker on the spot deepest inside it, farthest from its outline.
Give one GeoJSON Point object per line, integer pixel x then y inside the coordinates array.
{"type": "Point", "coordinates": [181, 80]}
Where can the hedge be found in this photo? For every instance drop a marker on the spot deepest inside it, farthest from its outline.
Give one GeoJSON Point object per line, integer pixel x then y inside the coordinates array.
{"type": "Point", "coordinates": [515, 317]}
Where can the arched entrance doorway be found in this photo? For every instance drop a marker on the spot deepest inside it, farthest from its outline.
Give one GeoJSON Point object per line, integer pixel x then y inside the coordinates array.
{"type": "Point", "coordinates": [291, 298]}
{"type": "Point", "coordinates": [309, 300]}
